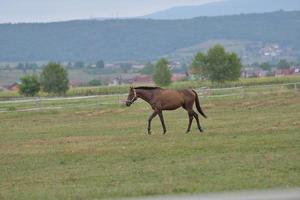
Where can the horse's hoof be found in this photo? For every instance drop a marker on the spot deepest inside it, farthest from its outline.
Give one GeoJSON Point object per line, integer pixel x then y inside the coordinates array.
{"type": "Point", "coordinates": [201, 130]}
{"type": "Point", "coordinates": [149, 132]}
{"type": "Point", "coordinates": [187, 132]}
{"type": "Point", "coordinates": [164, 133]}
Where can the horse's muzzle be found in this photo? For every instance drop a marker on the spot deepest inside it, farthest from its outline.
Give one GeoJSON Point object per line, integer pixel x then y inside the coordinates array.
{"type": "Point", "coordinates": [128, 103]}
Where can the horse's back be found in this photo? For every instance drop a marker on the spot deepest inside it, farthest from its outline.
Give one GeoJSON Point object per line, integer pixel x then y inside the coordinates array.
{"type": "Point", "coordinates": [173, 99]}
{"type": "Point", "coordinates": [187, 93]}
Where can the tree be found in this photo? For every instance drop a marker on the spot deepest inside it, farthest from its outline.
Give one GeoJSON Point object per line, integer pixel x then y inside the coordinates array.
{"type": "Point", "coordinates": [54, 79]}
{"type": "Point", "coordinates": [30, 85]}
{"type": "Point", "coordinates": [283, 64]}
{"type": "Point", "coordinates": [125, 67]}
{"type": "Point", "coordinates": [198, 64]}
{"type": "Point", "coordinates": [69, 65]}
{"type": "Point", "coordinates": [183, 68]}
{"type": "Point", "coordinates": [95, 82]}
{"type": "Point", "coordinates": [217, 65]}
{"type": "Point", "coordinates": [266, 66]}
{"type": "Point", "coordinates": [22, 67]}
{"type": "Point", "coordinates": [100, 64]}
{"type": "Point", "coordinates": [162, 73]}
{"type": "Point", "coordinates": [255, 64]}
{"type": "Point", "coordinates": [78, 64]}
{"type": "Point", "coordinates": [148, 69]}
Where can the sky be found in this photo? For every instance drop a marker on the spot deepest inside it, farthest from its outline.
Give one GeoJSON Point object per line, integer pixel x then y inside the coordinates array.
{"type": "Point", "coordinates": [12, 11]}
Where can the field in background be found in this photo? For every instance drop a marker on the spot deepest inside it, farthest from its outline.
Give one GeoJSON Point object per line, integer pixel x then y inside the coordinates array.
{"type": "Point", "coordinates": [100, 90]}
{"type": "Point", "coordinates": [103, 152]}
{"type": "Point", "coordinates": [8, 77]}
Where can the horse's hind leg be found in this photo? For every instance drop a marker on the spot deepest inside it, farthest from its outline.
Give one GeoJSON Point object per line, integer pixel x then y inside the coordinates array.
{"type": "Point", "coordinates": [161, 117]}
{"type": "Point", "coordinates": [191, 117]}
{"type": "Point", "coordinates": [197, 120]}
{"type": "Point", "coordinates": [149, 121]}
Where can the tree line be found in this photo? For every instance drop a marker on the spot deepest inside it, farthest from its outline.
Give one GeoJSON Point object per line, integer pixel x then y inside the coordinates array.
{"type": "Point", "coordinates": [53, 80]}
{"type": "Point", "coordinates": [268, 66]}
{"type": "Point", "coordinates": [216, 65]}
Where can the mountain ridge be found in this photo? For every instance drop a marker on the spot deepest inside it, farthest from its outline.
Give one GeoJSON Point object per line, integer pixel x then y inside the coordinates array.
{"type": "Point", "coordinates": [139, 39]}
{"type": "Point", "coordinates": [227, 7]}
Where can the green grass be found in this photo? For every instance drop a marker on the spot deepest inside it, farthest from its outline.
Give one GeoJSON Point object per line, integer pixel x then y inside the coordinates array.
{"type": "Point", "coordinates": [103, 152]}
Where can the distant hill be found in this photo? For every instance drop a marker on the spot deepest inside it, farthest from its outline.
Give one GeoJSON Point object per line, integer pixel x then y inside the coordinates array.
{"type": "Point", "coordinates": [227, 7]}
{"type": "Point", "coordinates": [139, 39]}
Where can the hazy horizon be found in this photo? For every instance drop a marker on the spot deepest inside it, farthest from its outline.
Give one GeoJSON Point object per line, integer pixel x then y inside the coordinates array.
{"type": "Point", "coordinates": [16, 11]}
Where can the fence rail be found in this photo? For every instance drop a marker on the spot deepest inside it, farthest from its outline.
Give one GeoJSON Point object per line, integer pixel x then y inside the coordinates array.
{"type": "Point", "coordinates": [42, 103]}
{"type": "Point", "coordinates": [281, 194]}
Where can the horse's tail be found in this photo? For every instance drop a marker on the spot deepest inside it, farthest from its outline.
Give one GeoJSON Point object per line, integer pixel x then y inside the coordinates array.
{"type": "Point", "coordinates": [198, 104]}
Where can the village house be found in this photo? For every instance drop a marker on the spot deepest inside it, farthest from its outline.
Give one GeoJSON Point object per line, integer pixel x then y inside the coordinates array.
{"type": "Point", "coordinates": [138, 66]}
{"type": "Point", "coordinates": [2, 89]}
{"type": "Point", "coordinates": [285, 72]}
{"type": "Point", "coordinates": [74, 83]}
{"type": "Point", "coordinates": [179, 77]}
{"type": "Point", "coordinates": [143, 79]}
{"type": "Point", "coordinates": [253, 72]}
{"type": "Point", "coordinates": [270, 50]}
{"type": "Point", "coordinates": [13, 87]}
{"type": "Point", "coordinates": [120, 81]}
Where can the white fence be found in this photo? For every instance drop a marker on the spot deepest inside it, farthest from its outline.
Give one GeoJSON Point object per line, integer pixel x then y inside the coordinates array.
{"type": "Point", "coordinates": [37, 104]}
{"type": "Point", "coordinates": [287, 194]}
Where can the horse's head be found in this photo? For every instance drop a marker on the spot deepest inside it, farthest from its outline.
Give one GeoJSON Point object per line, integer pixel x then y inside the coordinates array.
{"type": "Point", "coordinates": [131, 97]}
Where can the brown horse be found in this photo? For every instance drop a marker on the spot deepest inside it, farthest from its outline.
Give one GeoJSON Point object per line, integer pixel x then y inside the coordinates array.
{"type": "Point", "coordinates": [165, 99]}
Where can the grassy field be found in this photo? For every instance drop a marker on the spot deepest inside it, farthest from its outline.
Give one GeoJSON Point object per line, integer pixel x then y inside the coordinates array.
{"type": "Point", "coordinates": [103, 152]}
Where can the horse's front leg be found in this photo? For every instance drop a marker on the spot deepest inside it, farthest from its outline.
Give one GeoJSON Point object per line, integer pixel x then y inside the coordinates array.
{"type": "Point", "coordinates": [150, 119]}
{"type": "Point", "coordinates": [161, 117]}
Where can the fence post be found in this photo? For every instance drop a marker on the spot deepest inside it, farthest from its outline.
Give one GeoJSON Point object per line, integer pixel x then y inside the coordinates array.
{"type": "Point", "coordinates": [295, 88]}
{"type": "Point", "coordinates": [242, 92]}
{"type": "Point", "coordinates": [38, 104]}
{"type": "Point", "coordinates": [97, 101]}
{"type": "Point", "coordinates": [208, 91]}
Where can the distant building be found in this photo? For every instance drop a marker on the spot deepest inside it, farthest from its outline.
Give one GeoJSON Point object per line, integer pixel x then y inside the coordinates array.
{"type": "Point", "coordinates": [143, 79]}
{"type": "Point", "coordinates": [74, 83]}
{"type": "Point", "coordinates": [285, 72]}
{"type": "Point", "coordinates": [111, 65]}
{"type": "Point", "coordinates": [116, 81]}
{"type": "Point", "coordinates": [175, 64]}
{"type": "Point", "coordinates": [271, 50]}
{"type": "Point", "coordinates": [178, 77]}
{"type": "Point", "coordinates": [253, 72]}
{"type": "Point", "coordinates": [138, 66]}
{"type": "Point", "coordinates": [13, 87]}
{"type": "Point", "coordinates": [120, 81]}
{"type": "Point", "coordinates": [2, 89]}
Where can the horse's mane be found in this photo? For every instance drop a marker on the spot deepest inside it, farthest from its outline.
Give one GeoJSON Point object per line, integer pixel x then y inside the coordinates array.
{"type": "Point", "coordinates": [147, 88]}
